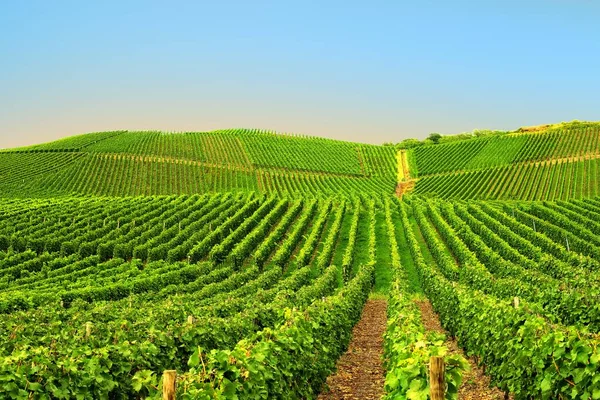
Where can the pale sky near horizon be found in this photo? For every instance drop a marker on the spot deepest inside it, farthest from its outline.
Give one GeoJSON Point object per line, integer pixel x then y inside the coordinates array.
{"type": "Point", "coordinates": [373, 72]}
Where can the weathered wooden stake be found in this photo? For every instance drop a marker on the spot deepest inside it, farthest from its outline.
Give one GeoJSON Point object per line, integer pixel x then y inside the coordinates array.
{"type": "Point", "coordinates": [169, 384]}
{"type": "Point", "coordinates": [437, 384]}
{"type": "Point", "coordinates": [190, 319]}
{"type": "Point", "coordinates": [534, 226]}
{"type": "Point", "coordinates": [516, 302]}
{"type": "Point", "coordinates": [567, 239]}
{"type": "Point", "coordinates": [88, 329]}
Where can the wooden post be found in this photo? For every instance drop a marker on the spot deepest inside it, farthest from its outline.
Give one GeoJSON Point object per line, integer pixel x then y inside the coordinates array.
{"type": "Point", "coordinates": [516, 302]}
{"type": "Point", "coordinates": [437, 384]}
{"type": "Point", "coordinates": [169, 384]}
{"type": "Point", "coordinates": [88, 329]}
{"type": "Point", "coordinates": [190, 319]}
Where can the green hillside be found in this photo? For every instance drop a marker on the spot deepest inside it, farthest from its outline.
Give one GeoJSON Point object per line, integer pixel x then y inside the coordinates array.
{"type": "Point", "coordinates": [145, 163]}
{"type": "Point", "coordinates": [243, 260]}
{"type": "Point", "coordinates": [554, 163]}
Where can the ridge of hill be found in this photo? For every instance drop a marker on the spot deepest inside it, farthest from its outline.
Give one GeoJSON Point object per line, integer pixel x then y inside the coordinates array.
{"type": "Point", "coordinates": [142, 163]}
{"type": "Point", "coordinates": [549, 162]}
{"type": "Point", "coordinates": [556, 162]}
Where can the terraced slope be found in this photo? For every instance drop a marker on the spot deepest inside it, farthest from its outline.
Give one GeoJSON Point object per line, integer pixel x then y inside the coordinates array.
{"type": "Point", "coordinates": [147, 163]}
{"type": "Point", "coordinates": [559, 163]}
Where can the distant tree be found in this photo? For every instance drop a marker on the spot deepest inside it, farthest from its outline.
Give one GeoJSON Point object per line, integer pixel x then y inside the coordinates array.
{"type": "Point", "coordinates": [409, 143]}
{"type": "Point", "coordinates": [434, 137]}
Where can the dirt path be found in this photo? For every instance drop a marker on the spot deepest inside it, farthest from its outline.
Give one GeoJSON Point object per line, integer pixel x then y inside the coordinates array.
{"type": "Point", "coordinates": [476, 385]}
{"type": "Point", "coordinates": [404, 187]}
{"type": "Point", "coordinates": [360, 373]}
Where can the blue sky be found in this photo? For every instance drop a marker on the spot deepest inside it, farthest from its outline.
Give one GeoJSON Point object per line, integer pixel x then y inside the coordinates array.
{"type": "Point", "coordinates": [366, 71]}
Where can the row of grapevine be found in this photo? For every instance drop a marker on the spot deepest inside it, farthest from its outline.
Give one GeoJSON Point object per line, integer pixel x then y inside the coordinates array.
{"type": "Point", "coordinates": [531, 181]}
{"type": "Point", "coordinates": [74, 143]}
{"type": "Point", "coordinates": [408, 347]}
{"type": "Point", "coordinates": [156, 163]}
{"type": "Point", "coordinates": [306, 183]}
{"type": "Point", "coordinates": [127, 175]}
{"type": "Point", "coordinates": [559, 300]}
{"type": "Point", "coordinates": [295, 153]}
{"type": "Point", "coordinates": [302, 352]}
{"type": "Point", "coordinates": [523, 353]}
{"type": "Point", "coordinates": [211, 148]}
{"type": "Point", "coordinates": [495, 151]}
{"type": "Point", "coordinates": [147, 317]}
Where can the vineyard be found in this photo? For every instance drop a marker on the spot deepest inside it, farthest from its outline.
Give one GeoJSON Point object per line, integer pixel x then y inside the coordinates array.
{"type": "Point", "coordinates": [154, 163]}
{"type": "Point", "coordinates": [549, 165]}
{"type": "Point", "coordinates": [238, 263]}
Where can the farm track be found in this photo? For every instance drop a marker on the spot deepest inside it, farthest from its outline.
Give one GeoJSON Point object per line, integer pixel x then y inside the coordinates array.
{"type": "Point", "coordinates": [360, 373]}
{"type": "Point", "coordinates": [475, 385]}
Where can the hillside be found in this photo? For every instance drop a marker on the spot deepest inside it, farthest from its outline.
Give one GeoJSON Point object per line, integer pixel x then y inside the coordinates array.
{"type": "Point", "coordinates": [144, 163]}
{"type": "Point", "coordinates": [554, 163]}
{"type": "Point", "coordinates": [243, 264]}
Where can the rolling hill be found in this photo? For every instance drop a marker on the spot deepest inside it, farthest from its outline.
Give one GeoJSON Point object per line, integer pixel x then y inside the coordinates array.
{"type": "Point", "coordinates": [146, 163]}
{"type": "Point", "coordinates": [554, 163]}
{"type": "Point", "coordinates": [241, 260]}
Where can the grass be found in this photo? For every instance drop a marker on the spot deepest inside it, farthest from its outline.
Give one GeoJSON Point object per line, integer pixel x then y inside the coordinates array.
{"type": "Point", "coordinates": [414, 284]}
{"type": "Point", "coordinates": [383, 263]}
{"type": "Point", "coordinates": [361, 255]}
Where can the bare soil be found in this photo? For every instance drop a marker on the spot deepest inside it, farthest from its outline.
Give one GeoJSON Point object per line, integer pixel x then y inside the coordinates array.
{"type": "Point", "coordinates": [360, 373]}
{"type": "Point", "coordinates": [404, 187]}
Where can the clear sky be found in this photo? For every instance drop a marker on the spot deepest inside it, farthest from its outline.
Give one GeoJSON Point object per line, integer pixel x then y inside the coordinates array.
{"type": "Point", "coordinates": [370, 71]}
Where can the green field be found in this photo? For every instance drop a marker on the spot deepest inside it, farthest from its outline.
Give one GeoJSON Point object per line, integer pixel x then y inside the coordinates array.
{"type": "Point", "coordinates": [243, 259]}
